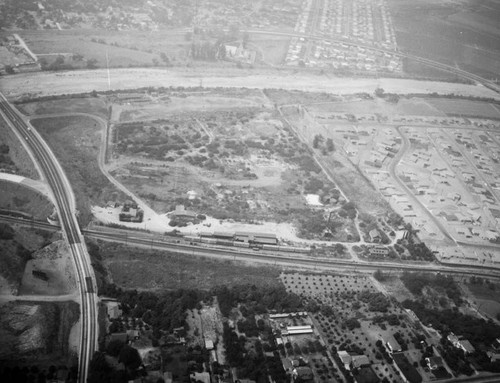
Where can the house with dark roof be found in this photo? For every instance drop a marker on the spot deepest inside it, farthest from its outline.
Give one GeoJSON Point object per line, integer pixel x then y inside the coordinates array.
{"type": "Point", "coordinates": [461, 343]}
{"type": "Point", "coordinates": [360, 361]}
{"type": "Point", "coordinates": [434, 362]}
{"type": "Point", "coordinates": [392, 344]}
{"type": "Point", "coordinates": [303, 374]}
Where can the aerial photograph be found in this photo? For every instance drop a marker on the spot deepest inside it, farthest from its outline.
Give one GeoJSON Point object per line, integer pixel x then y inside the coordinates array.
{"type": "Point", "coordinates": [238, 191]}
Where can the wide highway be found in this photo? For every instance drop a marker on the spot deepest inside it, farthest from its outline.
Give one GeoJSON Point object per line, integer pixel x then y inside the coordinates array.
{"type": "Point", "coordinates": [65, 205]}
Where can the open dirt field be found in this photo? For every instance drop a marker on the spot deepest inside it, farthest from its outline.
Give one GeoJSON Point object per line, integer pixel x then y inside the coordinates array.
{"type": "Point", "coordinates": [55, 262]}
{"type": "Point", "coordinates": [39, 84]}
{"type": "Point", "coordinates": [16, 252]}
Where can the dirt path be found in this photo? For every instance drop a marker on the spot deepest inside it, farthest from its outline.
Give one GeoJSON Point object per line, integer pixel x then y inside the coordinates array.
{"type": "Point", "coordinates": [40, 298]}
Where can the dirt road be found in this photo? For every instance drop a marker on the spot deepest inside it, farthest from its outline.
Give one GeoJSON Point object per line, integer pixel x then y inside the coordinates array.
{"type": "Point", "coordinates": [50, 83]}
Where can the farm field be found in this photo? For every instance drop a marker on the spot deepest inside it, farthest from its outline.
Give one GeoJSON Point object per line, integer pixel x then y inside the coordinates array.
{"type": "Point", "coordinates": [352, 315]}
{"type": "Point", "coordinates": [450, 32]}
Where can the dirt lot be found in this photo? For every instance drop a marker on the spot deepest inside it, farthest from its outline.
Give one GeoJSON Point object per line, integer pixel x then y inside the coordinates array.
{"type": "Point", "coordinates": [76, 142]}
{"type": "Point", "coordinates": [85, 81]}
{"type": "Point", "coordinates": [16, 252]}
{"type": "Point", "coordinates": [153, 270]}
{"type": "Point", "coordinates": [55, 262]}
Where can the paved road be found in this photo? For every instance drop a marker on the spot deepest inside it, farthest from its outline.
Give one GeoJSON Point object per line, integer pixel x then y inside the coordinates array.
{"type": "Point", "coordinates": [65, 205]}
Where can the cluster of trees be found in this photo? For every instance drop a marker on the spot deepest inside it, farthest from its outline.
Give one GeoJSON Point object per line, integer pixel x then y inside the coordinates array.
{"type": "Point", "coordinates": [391, 319]}
{"type": "Point", "coordinates": [257, 299]}
{"type": "Point", "coordinates": [164, 311]}
{"type": "Point", "coordinates": [207, 51]}
{"type": "Point", "coordinates": [6, 231]}
{"type": "Point", "coordinates": [312, 222]}
{"type": "Point", "coordinates": [252, 364]}
{"type": "Point", "coordinates": [35, 374]}
{"type": "Point", "coordinates": [313, 185]}
{"type": "Point", "coordinates": [4, 155]}
{"type": "Point", "coordinates": [389, 97]}
{"type": "Point", "coordinates": [477, 330]}
{"type": "Point", "coordinates": [325, 146]}
{"type": "Point", "coordinates": [417, 250]}
{"type": "Point", "coordinates": [376, 301]}
{"type": "Point", "coordinates": [348, 210]}
{"type": "Point", "coordinates": [416, 282]}
{"type": "Point", "coordinates": [455, 358]}
{"type": "Point", "coordinates": [351, 324]}
{"type": "Point", "coordinates": [383, 351]}
{"type": "Point", "coordinates": [101, 371]}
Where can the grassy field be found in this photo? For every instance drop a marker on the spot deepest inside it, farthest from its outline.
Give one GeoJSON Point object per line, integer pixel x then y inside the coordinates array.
{"type": "Point", "coordinates": [76, 143]}
{"type": "Point", "coordinates": [465, 108]}
{"type": "Point", "coordinates": [20, 198]}
{"type": "Point", "coordinates": [272, 48]}
{"type": "Point", "coordinates": [52, 42]}
{"type": "Point", "coordinates": [19, 160]}
{"type": "Point", "coordinates": [144, 269]}
{"type": "Point", "coordinates": [90, 105]}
